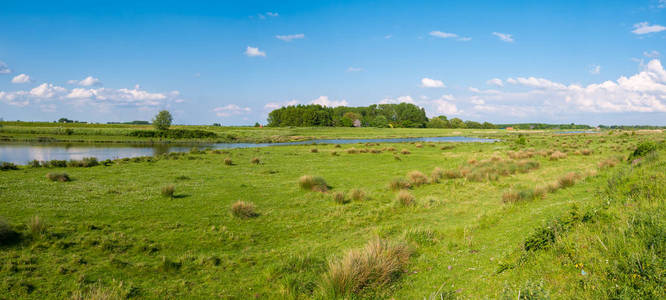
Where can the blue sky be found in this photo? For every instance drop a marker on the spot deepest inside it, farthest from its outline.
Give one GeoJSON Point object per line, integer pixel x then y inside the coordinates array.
{"type": "Point", "coordinates": [594, 62]}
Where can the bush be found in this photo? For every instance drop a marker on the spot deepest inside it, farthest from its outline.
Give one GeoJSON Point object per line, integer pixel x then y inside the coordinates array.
{"type": "Point", "coordinates": [168, 191]}
{"type": "Point", "coordinates": [174, 134]}
{"type": "Point", "coordinates": [357, 194]}
{"type": "Point", "coordinates": [313, 183]}
{"type": "Point", "coordinates": [228, 161]}
{"type": "Point", "coordinates": [405, 198]}
{"type": "Point", "coordinates": [255, 160]}
{"type": "Point", "coordinates": [643, 149]}
{"type": "Point", "coordinates": [243, 210]}
{"type": "Point", "coordinates": [8, 235]}
{"type": "Point", "coordinates": [375, 267]}
{"type": "Point", "coordinates": [399, 184]}
{"type": "Point", "coordinates": [340, 198]}
{"type": "Point", "coordinates": [6, 166]}
{"type": "Point", "coordinates": [416, 178]}
{"type": "Point", "coordinates": [34, 164]}
{"type": "Point", "coordinates": [55, 163]}
{"type": "Point", "coordinates": [84, 163]}
{"type": "Point", "coordinates": [62, 177]}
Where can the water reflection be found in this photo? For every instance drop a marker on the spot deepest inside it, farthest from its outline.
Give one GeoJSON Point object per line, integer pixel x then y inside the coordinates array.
{"type": "Point", "coordinates": [22, 153]}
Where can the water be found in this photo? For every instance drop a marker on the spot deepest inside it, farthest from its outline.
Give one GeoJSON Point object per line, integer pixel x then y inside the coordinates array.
{"type": "Point", "coordinates": [22, 153]}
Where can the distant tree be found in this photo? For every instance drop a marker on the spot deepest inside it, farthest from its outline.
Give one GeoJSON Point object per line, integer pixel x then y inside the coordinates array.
{"type": "Point", "coordinates": [380, 122]}
{"type": "Point", "coordinates": [487, 125]}
{"type": "Point", "coordinates": [438, 122]}
{"type": "Point", "coordinates": [256, 124]}
{"type": "Point", "coordinates": [457, 123]}
{"type": "Point", "coordinates": [162, 120]}
{"type": "Point", "coordinates": [217, 124]}
{"type": "Point", "coordinates": [65, 120]}
{"type": "Point", "coordinates": [472, 124]}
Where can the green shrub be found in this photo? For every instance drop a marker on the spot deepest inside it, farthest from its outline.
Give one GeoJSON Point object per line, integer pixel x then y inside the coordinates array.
{"type": "Point", "coordinates": [6, 166]}
{"type": "Point", "coordinates": [643, 149]}
{"type": "Point", "coordinates": [86, 162]}
{"type": "Point", "coordinates": [174, 134]}
{"type": "Point", "coordinates": [8, 235]}
{"type": "Point", "coordinates": [62, 177]}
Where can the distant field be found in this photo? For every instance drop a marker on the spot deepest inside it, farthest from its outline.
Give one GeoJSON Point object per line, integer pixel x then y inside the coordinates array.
{"type": "Point", "coordinates": [42, 131]}
{"type": "Point", "coordinates": [565, 216]}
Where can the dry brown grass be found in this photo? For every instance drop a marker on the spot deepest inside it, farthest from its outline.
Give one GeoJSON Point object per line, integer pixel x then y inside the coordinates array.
{"type": "Point", "coordinates": [522, 154]}
{"type": "Point", "coordinates": [557, 155]}
{"type": "Point", "coordinates": [416, 178]}
{"type": "Point", "coordinates": [399, 184]}
{"type": "Point", "coordinates": [607, 163]}
{"type": "Point", "coordinates": [405, 151]}
{"type": "Point", "coordinates": [313, 183]}
{"type": "Point", "coordinates": [168, 191]}
{"type": "Point", "coordinates": [243, 210]}
{"type": "Point", "coordinates": [452, 174]}
{"type": "Point", "coordinates": [228, 161]}
{"type": "Point", "coordinates": [375, 266]}
{"type": "Point", "coordinates": [568, 180]}
{"type": "Point", "coordinates": [314, 150]}
{"type": "Point", "coordinates": [436, 175]}
{"type": "Point", "coordinates": [357, 194]}
{"type": "Point", "coordinates": [419, 145]}
{"type": "Point", "coordinates": [340, 198]}
{"type": "Point", "coordinates": [405, 198]}
{"type": "Point", "coordinates": [352, 150]}
{"type": "Point", "coordinates": [255, 160]}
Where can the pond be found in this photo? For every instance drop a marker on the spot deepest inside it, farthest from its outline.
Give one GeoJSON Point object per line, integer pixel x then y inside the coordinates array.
{"type": "Point", "coordinates": [22, 153]}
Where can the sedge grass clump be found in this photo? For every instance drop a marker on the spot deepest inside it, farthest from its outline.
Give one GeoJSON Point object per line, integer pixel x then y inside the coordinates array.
{"type": "Point", "coordinates": [557, 155]}
{"type": "Point", "coordinates": [357, 194]}
{"type": "Point", "coordinates": [399, 184]}
{"type": "Point", "coordinates": [37, 226]}
{"type": "Point", "coordinates": [405, 198]}
{"type": "Point", "coordinates": [60, 177]}
{"type": "Point", "coordinates": [352, 150]}
{"type": "Point", "coordinates": [607, 163]}
{"type": "Point", "coordinates": [228, 161]}
{"type": "Point", "coordinates": [168, 191]}
{"type": "Point", "coordinates": [313, 183]}
{"type": "Point", "coordinates": [452, 174]}
{"type": "Point", "coordinates": [255, 160]}
{"type": "Point", "coordinates": [243, 210]}
{"type": "Point", "coordinates": [405, 152]}
{"type": "Point", "coordinates": [586, 152]}
{"type": "Point", "coordinates": [436, 174]}
{"type": "Point", "coordinates": [568, 180]}
{"type": "Point", "coordinates": [314, 150]}
{"type": "Point", "coordinates": [340, 198]}
{"type": "Point", "coordinates": [416, 178]}
{"type": "Point", "coordinates": [375, 266]}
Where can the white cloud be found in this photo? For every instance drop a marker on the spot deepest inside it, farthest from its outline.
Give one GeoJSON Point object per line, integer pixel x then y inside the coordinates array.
{"type": "Point", "coordinates": [401, 99]}
{"type": "Point", "coordinates": [536, 82]}
{"type": "Point", "coordinates": [324, 101]}
{"type": "Point", "coordinates": [290, 37]}
{"type": "Point", "coordinates": [595, 69]}
{"type": "Point", "coordinates": [230, 110]}
{"type": "Point", "coordinates": [21, 78]}
{"type": "Point", "coordinates": [388, 36]}
{"type": "Point", "coordinates": [4, 69]}
{"type": "Point", "coordinates": [495, 81]}
{"type": "Point", "coordinates": [431, 83]}
{"type": "Point", "coordinates": [444, 106]}
{"type": "Point", "coordinates": [651, 54]}
{"type": "Point", "coordinates": [47, 90]}
{"type": "Point", "coordinates": [645, 28]}
{"type": "Point", "coordinates": [252, 51]}
{"type": "Point", "coordinates": [443, 35]}
{"type": "Point", "coordinates": [88, 81]}
{"type": "Point", "coordinates": [504, 36]}
{"type": "Point", "coordinates": [353, 69]}
{"type": "Point", "coordinates": [272, 14]}
{"type": "Point", "coordinates": [662, 4]}
{"type": "Point", "coordinates": [276, 105]}
{"type": "Point", "coordinates": [465, 39]}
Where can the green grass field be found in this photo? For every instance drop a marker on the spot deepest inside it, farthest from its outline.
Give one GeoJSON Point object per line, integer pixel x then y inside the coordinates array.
{"type": "Point", "coordinates": [560, 216]}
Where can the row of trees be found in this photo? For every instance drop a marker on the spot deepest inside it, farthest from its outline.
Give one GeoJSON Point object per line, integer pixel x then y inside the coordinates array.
{"type": "Point", "coordinates": [376, 115]}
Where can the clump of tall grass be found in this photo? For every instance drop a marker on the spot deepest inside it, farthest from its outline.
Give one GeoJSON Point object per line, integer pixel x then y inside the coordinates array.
{"type": "Point", "coordinates": [399, 184]}
{"type": "Point", "coordinates": [35, 164]}
{"type": "Point", "coordinates": [168, 191]}
{"type": "Point", "coordinates": [522, 154]}
{"type": "Point", "coordinates": [255, 160]}
{"type": "Point", "coordinates": [375, 266]}
{"type": "Point", "coordinates": [86, 162]}
{"type": "Point", "coordinates": [405, 198]}
{"type": "Point", "coordinates": [447, 147]}
{"type": "Point", "coordinates": [375, 151]}
{"type": "Point", "coordinates": [61, 177]}
{"type": "Point", "coordinates": [228, 161]}
{"type": "Point", "coordinates": [568, 180]}
{"type": "Point", "coordinates": [352, 150]}
{"type": "Point", "coordinates": [396, 157]}
{"type": "Point", "coordinates": [390, 149]}
{"type": "Point", "coordinates": [405, 151]}
{"type": "Point", "coordinates": [37, 226]}
{"type": "Point", "coordinates": [416, 178]}
{"type": "Point", "coordinates": [357, 194]}
{"type": "Point", "coordinates": [313, 183]}
{"type": "Point", "coordinates": [607, 163]}
{"type": "Point", "coordinates": [524, 194]}
{"type": "Point", "coordinates": [340, 198]}
{"type": "Point", "coordinates": [586, 152]}
{"type": "Point", "coordinates": [493, 169]}
{"type": "Point", "coordinates": [314, 150]}
{"type": "Point", "coordinates": [452, 174]}
{"type": "Point", "coordinates": [6, 166]}
{"type": "Point", "coordinates": [557, 155]}
{"type": "Point", "coordinates": [436, 174]}
{"type": "Point", "coordinates": [243, 210]}
{"type": "Point", "coordinates": [335, 153]}
{"type": "Point", "coordinates": [419, 145]}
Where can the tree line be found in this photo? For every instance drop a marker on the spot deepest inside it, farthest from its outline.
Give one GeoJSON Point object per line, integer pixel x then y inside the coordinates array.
{"type": "Point", "coordinates": [403, 115]}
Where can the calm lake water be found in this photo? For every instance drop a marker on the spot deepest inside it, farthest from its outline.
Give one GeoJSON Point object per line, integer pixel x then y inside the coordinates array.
{"type": "Point", "coordinates": [22, 153]}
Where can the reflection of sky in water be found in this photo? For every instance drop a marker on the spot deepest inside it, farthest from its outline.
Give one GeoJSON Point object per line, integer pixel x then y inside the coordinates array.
{"type": "Point", "coordinates": [23, 153]}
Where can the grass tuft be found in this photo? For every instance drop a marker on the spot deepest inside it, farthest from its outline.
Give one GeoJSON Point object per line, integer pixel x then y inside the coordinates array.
{"type": "Point", "coordinates": [228, 161]}
{"type": "Point", "coordinates": [168, 191]}
{"type": "Point", "coordinates": [61, 177]}
{"type": "Point", "coordinates": [243, 210]}
{"type": "Point", "coordinates": [405, 198]}
{"type": "Point", "coordinates": [399, 184]}
{"type": "Point", "coordinates": [416, 178]}
{"type": "Point", "coordinates": [567, 180]}
{"type": "Point", "coordinates": [357, 194]}
{"type": "Point", "coordinates": [37, 226]}
{"type": "Point", "coordinates": [255, 160]}
{"type": "Point", "coordinates": [436, 175]}
{"type": "Point", "coordinates": [340, 198]}
{"type": "Point", "coordinates": [313, 183]}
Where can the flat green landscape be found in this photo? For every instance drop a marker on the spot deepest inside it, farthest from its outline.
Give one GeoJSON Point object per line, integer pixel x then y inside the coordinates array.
{"type": "Point", "coordinates": [536, 215]}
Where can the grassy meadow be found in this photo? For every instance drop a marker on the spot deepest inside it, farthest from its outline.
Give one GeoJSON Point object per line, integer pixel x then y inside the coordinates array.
{"type": "Point", "coordinates": [535, 216]}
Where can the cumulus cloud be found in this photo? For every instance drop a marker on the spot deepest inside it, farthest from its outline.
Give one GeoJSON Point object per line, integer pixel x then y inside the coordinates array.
{"type": "Point", "coordinates": [445, 106]}
{"type": "Point", "coordinates": [431, 83]}
{"type": "Point", "coordinates": [276, 105]}
{"type": "Point", "coordinates": [290, 37]}
{"type": "Point", "coordinates": [252, 51]}
{"type": "Point", "coordinates": [230, 110]}
{"type": "Point", "coordinates": [443, 35]}
{"type": "Point", "coordinates": [88, 81]}
{"type": "Point", "coordinates": [21, 78]}
{"type": "Point", "coordinates": [4, 68]}
{"type": "Point", "coordinates": [272, 14]}
{"type": "Point", "coordinates": [504, 36]}
{"type": "Point", "coordinates": [324, 101]}
{"type": "Point", "coordinates": [401, 99]}
{"type": "Point", "coordinates": [536, 82]}
{"type": "Point", "coordinates": [645, 28]}
{"type": "Point", "coordinates": [495, 81]}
